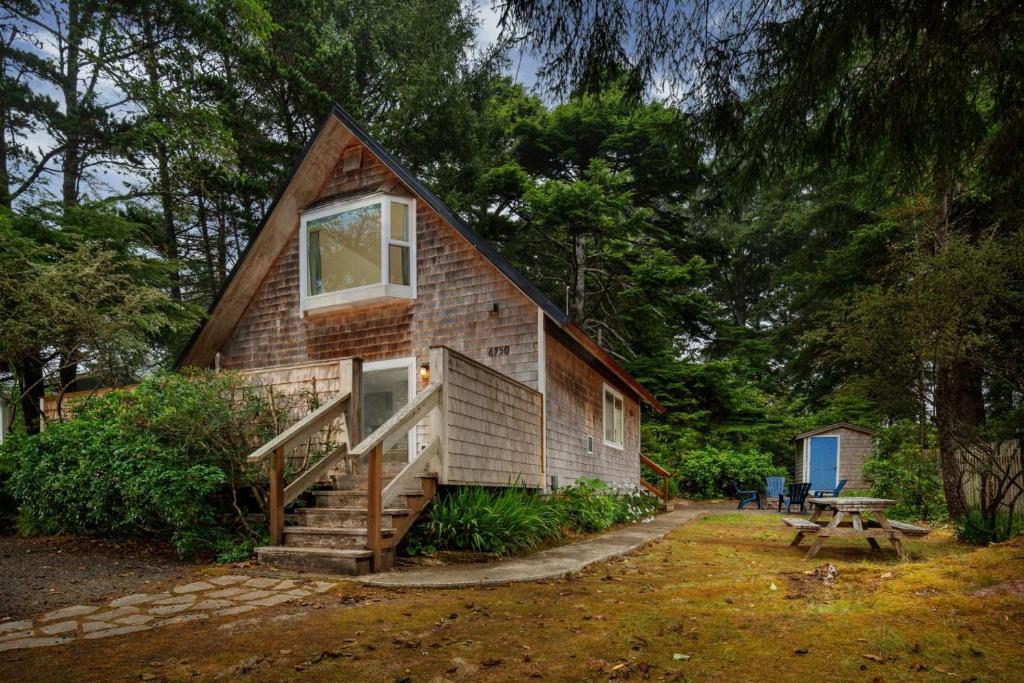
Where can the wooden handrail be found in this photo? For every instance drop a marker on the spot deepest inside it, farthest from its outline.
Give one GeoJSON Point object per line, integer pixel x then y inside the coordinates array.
{"type": "Point", "coordinates": [658, 469]}
{"type": "Point", "coordinates": [392, 431]}
{"type": "Point", "coordinates": [417, 466]}
{"type": "Point", "coordinates": [303, 428]}
{"type": "Point", "coordinates": [312, 474]}
{"type": "Point", "coordinates": [373, 446]}
{"type": "Point", "coordinates": [661, 472]}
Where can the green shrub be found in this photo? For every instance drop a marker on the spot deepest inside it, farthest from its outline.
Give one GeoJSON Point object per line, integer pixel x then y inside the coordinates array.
{"type": "Point", "coordinates": [979, 529]}
{"type": "Point", "coordinates": [901, 469]}
{"type": "Point", "coordinates": [514, 520]}
{"type": "Point", "coordinates": [162, 462]}
{"type": "Point", "coordinates": [499, 521]}
{"type": "Point", "coordinates": [709, 472]}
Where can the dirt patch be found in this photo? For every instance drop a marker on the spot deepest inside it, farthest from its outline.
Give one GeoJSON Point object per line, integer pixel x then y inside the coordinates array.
{"type": "Point", "coordinates": [41, 574]}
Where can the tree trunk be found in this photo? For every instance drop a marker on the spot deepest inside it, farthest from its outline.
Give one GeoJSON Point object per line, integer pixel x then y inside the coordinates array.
{"type": "Point", "coordinates": [959, 412]}
{"type": "Point", "coordinates": [30, 383]}
{"type": "Point", "coordinates": [578, 290]}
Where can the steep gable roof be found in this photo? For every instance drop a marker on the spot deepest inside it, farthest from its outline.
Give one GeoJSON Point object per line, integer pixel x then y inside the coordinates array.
{"type": "Point", "coordinates": [314, 165]}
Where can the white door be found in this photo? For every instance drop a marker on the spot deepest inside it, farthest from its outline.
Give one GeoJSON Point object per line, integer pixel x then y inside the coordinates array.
{"type": "Point", "coordinates": [388, 385]}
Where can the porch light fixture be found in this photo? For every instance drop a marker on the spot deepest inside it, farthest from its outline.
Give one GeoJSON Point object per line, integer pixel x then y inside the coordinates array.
{"type": "Point", "coordinates": [425, 372]}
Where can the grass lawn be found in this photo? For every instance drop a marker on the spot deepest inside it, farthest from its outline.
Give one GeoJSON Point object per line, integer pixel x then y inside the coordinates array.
{"type": "Point", "coordinates": [697, 606]}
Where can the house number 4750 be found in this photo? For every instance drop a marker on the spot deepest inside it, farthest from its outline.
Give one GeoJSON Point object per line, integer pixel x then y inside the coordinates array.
{"type": "Point", "coordinates": [497, 351]}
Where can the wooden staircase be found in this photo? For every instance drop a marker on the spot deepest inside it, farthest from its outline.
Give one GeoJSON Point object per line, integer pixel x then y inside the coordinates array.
{"type": "Point", "coordinates": [331, 537]}
{"type": "Point", "coordinates": [372, 500]}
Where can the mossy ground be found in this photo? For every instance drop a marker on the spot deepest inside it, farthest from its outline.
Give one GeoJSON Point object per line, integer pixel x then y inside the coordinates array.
{"type": "Point", "coordinates": [697, 606]}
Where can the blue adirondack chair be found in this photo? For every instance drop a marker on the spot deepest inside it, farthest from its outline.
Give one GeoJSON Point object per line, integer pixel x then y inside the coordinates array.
{"type": "Point", "coordinates": [774, 488]}
{"type": "Point", "coordinates": [797, 496]}
{"type": "Point", "coordinates": [746, 496]}
{"type": "Point", "coordinates": [831, 493]}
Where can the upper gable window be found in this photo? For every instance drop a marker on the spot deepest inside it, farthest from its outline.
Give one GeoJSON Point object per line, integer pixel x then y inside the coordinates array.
{"type": "Point", "coordinates": [358, 251]}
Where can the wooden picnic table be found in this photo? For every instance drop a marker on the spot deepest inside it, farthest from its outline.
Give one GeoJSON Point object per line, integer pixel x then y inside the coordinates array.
{"type": "Point", "coordinates": [856, 508]}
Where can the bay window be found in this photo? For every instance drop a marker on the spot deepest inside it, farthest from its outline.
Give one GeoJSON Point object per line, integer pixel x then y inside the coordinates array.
{"type": "Point", "coordinates": [358, 251]}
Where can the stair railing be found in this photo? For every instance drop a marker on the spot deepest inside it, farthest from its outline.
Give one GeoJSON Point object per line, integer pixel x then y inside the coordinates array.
{"type": "Point", "coordinates": [341, 404]}
{"type": "Point", "coordinates": [661, 472]}
{"type": "Point", "coordinates": [372, 449]}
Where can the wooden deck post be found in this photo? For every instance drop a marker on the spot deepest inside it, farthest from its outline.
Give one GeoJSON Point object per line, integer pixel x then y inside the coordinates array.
{"type": "Point", "coordinates": [664, 492]}
{"type": "Point", "coordinates": [352, 383]}
{"type": "Point", "coordinates": [374, 488]}
{"type": "Point", "coordinates": [439, 416]}
{"type": "Point", "coordinates": [277, 496]}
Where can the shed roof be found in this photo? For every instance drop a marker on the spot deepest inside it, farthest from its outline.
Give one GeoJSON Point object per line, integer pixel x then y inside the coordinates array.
{"type": "Point", "coordinates": [833, 426]}
{"type": "Point", "coordinates": [211, 334]}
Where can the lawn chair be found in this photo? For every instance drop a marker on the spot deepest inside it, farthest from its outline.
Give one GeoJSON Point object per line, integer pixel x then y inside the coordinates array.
{"type": "Point", "coordinates": [830, 493]}
{"type": "Point", "coordinates": [774, 487]}
{"type": "Point", "coordinates": [746, 496]}
{"type": "Point", "coordinates": [797, 496]}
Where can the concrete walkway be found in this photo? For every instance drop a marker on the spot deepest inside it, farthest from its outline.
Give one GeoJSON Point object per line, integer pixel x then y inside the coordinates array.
{"type": "Point", "coordinates": [547, 564]}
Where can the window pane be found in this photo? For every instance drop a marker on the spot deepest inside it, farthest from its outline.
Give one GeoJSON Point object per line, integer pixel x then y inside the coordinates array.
{"type": "Point", "coordinates": [609, 417]}
{"type": "Point", "coordinates": [384, 393]}
{"type": "Point", "coordinates": [398, 265]}
{"type": "Point", "coordinates": [618, 421]}
{"type": "Point", "coordinates": [348, 245]}
{"type": "Point", "coordinates": [399, 222]}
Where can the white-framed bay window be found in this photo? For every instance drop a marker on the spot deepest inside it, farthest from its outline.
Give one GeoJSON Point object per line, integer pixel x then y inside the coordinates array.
{"type": "Point", "coordinates": [357, 251]}
{"type": "Point", "coordinates": [614, 418]}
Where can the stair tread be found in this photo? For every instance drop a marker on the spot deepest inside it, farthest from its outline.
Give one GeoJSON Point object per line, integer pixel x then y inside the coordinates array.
{"type": "Point", "coordinates": [358, 492]}
{"type": "Point", "coordinates": [387, 511]}
{"type": "Point", "coordinates": [333, 531]}
{"type": "Point", "coordinates": [327, 552]}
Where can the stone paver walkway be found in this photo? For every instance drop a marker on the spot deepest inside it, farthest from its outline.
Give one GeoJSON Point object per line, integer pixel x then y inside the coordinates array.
{"type": "Point", "coordinates": [547, 564]}
{"type": "Point", "coordinates": [217, 596]}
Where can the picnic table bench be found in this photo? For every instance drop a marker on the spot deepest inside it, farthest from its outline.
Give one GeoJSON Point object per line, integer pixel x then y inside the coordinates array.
{"type": "Point", "coordinates": [855, 508]}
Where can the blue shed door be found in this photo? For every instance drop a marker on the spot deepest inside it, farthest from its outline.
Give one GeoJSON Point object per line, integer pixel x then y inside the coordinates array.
{"type": "Point", "coordinates": [824, 458]}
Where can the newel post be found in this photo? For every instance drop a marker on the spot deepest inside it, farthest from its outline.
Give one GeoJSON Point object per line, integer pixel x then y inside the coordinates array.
{"type": "Point", "coordinates": [439, 415]}
{"type": "Point", "coordinates": [374, 511]}
{"type": "Point", "coordinates": [352, 383]}
{"type": "Point", "coordinates": [277, 496]}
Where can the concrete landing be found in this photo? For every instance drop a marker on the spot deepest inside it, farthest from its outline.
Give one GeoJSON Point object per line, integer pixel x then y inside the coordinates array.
{"type": "Point", "coordinates": [547, 564]}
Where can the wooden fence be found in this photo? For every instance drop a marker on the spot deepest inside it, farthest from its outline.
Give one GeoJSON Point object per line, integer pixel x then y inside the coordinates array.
{"type": "Point", "coordinates": [985, 466]}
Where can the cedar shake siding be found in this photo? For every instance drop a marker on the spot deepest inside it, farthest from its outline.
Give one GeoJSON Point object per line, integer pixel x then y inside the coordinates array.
{"type": "Point", "coordinates": [457, 290]}
{"type": "Point", "coordinates": [575, 408]}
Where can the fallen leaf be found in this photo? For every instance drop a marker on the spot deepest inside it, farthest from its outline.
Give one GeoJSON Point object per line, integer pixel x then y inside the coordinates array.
{"type": "Point", "coordinates": [680, 657]}
{"type": "Point", "coordinates": [875, 658]}
{"type": "Point", "coordinates": [801, 651]}
{"type": "Point", "coordinates": [773, 587]}
{"type": "Point", "coordinates": [490, 663]}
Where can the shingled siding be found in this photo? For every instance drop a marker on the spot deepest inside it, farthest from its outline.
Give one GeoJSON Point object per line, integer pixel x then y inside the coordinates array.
{"type": "Point", "coordinates": [493, 427]}
{"type": "Point", "coordinates": [574, 398]}
{"type": "Point", "coordinates": [457, 289]}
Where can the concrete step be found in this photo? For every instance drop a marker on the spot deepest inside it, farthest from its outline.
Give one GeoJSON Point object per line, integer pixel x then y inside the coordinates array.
{"type": "Point", "coordinates": [342, 517]}
{"type": "Point", "coordinates": [354, 562]}
{"type": "Point", "coordinates": [328, 537]}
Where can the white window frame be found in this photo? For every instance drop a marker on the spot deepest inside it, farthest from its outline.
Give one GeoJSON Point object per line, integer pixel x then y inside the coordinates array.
{"type": "Point", "coordinates": [390, 364]}
{"type": "Point", "coordinates": [604, 431]}
{"type": "Point", "coordinates": [367, 293]}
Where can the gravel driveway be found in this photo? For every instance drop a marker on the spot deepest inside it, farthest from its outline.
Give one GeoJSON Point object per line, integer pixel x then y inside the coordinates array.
{"type": "Point", "coordinates": [40, 574]}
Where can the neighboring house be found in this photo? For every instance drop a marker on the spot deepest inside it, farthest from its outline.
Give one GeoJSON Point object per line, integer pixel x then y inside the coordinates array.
{"type": "Point", "coordinates": [356, 258]}
{"type": "Point", "coordinates": [829, 454]}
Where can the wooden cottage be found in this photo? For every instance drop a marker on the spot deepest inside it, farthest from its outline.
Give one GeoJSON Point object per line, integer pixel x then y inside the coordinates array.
{"type": "Point", "coordinates": [830, 454]}
{"type": "Point", "coordinates": [443, 364]}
